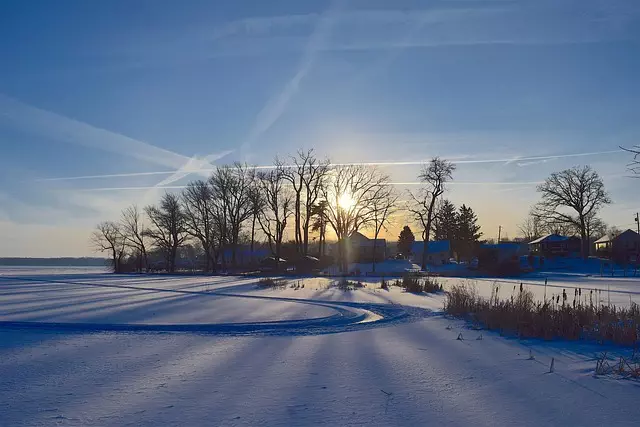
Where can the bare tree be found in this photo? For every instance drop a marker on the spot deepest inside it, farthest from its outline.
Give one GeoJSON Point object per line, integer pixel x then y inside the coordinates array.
{"type": "Point", "coordinates": [595, 228]}
{"type": "Point", "coordinates": [257, 206]}
{"type": "Point", "coordinates": [168, 227]}
{"type": "Point", "coordinates": [200, 221]}
{"type": "Point", "coordinates": [382, 208]}
{"type": "Point", "coordinates": [532, 228]}
{"type": "Point", "coordinates": [231, 187]}
{"type": "Point", "coordinates": [579, 190]}
{"type": "Point", "coordinates": [422, 204]}
{"type": "Point", "coordinates": [306, 175]}
{"type": "Point", "coordinates": [133, 231]}
{"type": "Point", "coordinates": [278, 207]}
{"type": "Point", "coordinates": [350, 194]}
{"type": "Point", "coordinates": [634, 166]}
{"type": "Point", "coordinates": [108, 237]}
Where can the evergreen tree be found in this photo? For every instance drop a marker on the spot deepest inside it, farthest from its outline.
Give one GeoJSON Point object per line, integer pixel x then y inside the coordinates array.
{"type": "Point", "coordinates": [405, 241]}
{"type": "Point", "coordinates": [446, 224]}
{"type": "Point", "coordinates": [468, 233]}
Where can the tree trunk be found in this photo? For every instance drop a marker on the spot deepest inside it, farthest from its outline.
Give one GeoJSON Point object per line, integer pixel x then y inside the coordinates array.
{"type": "Point", "coordinates": [253, 233]}
{"type": "Point", "coordinates": [115, 260]}
{"type": "Point", "coordinates": [297, 222]}
{"type": "Point", "coordinates": [585, 241]}
{"type": "Point", "coordinates": [305, 247]}
{"type": "Point", "coordinates": [425, 249]}
{"type": "Point", "coordinates": [373, 257]}
{"type": "Point", "coordinates": [145, 257]}
{"type": "Point", "coordinates": [172, 259]}
{"type": "Point", "coordinates": [425, 245]}
{"type": "Point", "coordinates": [342, 255]}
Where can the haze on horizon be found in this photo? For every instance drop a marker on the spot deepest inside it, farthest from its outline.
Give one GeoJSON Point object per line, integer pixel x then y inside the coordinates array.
{"type": "Point", "coordinates": [107, 104]}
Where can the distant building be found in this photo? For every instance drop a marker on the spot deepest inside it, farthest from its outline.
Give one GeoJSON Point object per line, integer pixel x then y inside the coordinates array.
{"type": "Point", "coordinates": [438, 252]}
{"type": "Point", "coordinates": [555, 245]}
{"type": "Point", "coordinates": [501, 258]}
{"type": "Point", "coordinates": [360, 248]}
{"type": "Point", "coordinates": [623, 248]}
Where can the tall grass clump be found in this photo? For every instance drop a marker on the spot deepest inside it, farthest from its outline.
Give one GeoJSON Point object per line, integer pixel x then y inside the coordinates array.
{"type": "Point", "coordinates": [522, 315]}
{"type": "Point", "coordinates": [349, 285]}
{"type": "Point", "coordinates": [272, 283]}
{"type": "Point", "coordinates": [417, 284]}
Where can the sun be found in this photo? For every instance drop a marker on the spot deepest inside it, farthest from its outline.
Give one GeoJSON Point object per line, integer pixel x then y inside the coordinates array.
{"type": "Point", "coordinates": [345, 201]}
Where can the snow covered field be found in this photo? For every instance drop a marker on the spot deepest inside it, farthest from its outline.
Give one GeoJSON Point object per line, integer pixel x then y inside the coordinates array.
{"type": "Point", "coordinates": [87, 348]}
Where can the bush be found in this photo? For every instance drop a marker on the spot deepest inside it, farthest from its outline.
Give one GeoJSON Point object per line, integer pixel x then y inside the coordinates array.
{"type": "Point", "coordinates": [384, 285]}
{"type": "Point", "coordinates": [269, 282]}
{"type": "Point", "coordinates": [522, 315]}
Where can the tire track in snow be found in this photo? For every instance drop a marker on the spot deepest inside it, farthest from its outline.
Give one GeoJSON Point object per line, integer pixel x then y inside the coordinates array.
{"type": "Point", "coordinates": [349, 316]}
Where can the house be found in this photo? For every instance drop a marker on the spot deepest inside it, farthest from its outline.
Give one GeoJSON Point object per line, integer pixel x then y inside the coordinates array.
{"type": "Point", "coordinates": [555, 245]}
{"type": "Point", "coordinates": [360, 248]}
{"type": "Point", "coordinates": [437, 252]}
{"type": "Point", "coordinates": [623, 248]}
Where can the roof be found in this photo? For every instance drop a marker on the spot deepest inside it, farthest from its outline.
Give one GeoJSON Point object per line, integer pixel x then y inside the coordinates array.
{"type": "Point", "coordinates": [605, 239]}
{"type": "Point", "coordinates": [503, 246]}
{"type": "Point", "coordinates": [363, 240]}
{"type": "Point", "coordinates": [358, 235]}
{"type": "Point", "coordinates": [434, 246]}
{"type": "Point", "coordinates": [550, 238]}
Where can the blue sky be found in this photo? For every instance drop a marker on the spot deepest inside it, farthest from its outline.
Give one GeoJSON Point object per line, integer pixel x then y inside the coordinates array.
{"type": "Point", "coordinates": [102, 104]}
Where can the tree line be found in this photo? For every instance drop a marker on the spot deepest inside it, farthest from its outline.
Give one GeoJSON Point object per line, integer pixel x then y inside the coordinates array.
{"type": "Point", "coordinates": [302, 196]}
{"type": "Point", "coordinates": [307, 198]}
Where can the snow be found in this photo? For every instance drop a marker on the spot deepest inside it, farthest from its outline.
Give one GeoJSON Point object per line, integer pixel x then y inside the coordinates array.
{"type": "Point", "coordinates": [389, 267]}
{"type": "Point", "coordinates": [297, 356]}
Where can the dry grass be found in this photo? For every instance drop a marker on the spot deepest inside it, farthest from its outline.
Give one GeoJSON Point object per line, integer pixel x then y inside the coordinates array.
{"type": "Point", "coordinates": [522, 315]}
{"type": "Point", "coordinates": [349, 285]}
{"type": "Point", "coordinates": [621, 366]}
{"type": "Point", "coordinates": [419, 284]}
{"type": "Point", "coordinates": [269, 282]}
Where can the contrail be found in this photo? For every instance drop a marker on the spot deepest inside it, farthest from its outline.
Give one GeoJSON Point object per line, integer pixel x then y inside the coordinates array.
{"type": "Point", "coordinates": [179, 187]}
{"type": "Point", "coordinates": [61, 128]}
{"type": "Point", "coordinates": [391, 164]}
{"type": "Point", "coordinates": [277, 105]}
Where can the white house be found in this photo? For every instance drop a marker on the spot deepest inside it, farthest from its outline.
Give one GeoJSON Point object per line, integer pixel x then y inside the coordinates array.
{"type": "Point", "coordinates": [360, 248]}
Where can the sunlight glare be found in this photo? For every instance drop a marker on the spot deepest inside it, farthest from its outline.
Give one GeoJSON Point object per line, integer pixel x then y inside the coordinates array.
{"type": "Point", "coordinates": [346, 201]}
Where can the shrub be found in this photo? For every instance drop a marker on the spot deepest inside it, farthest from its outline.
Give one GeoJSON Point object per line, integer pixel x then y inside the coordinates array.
{"type": "Point", "coordinates": [411, 283]}
{"type": "Point", "coordinates": [416, 284]}
{"type": "Point", "coordinates": [384, 285]}
{"type": "Point", "coordinates": [522, 315]}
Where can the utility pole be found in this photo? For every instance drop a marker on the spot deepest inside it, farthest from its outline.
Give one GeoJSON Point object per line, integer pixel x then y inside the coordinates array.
{"type": "Point", "coordinates": [499, 232]}
{"type": "Point", "coordinates": [638, 221]}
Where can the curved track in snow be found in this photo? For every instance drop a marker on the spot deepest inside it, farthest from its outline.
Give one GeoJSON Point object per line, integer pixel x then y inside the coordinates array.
{"type": "Point", "coordinates": [348, 316]}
